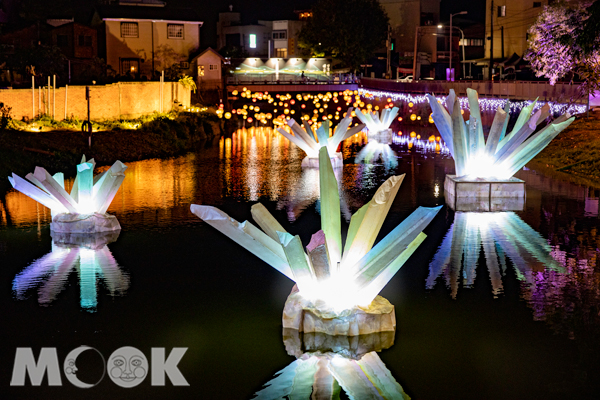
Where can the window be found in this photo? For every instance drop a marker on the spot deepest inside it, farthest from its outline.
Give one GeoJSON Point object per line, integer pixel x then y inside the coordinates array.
{"type": "Point", "coordinates": [213, 67]}
{"type": "Point", "coordinates": [130, 65]}
{"type": "Point", "coordinates": [83, 40]}
{"type": "Point", "coordinates": [184, 65]}
{"type": "Point", "coordinates": [279, 34]}
{"type": "Point", "coordinates": [175, 31]}
{"type": "Point", "coordinates": [537, 4]}
{"type": "Point", "coordinates": [281, 53]}
{"type": "Point", "coordinates": [200, 70]}
{"type": "Point", "coordinates": [129, 29]}
{"type": "Point", "coordinates": [62, 40]}
{"type": "Point", "coordinates": [502, 11]}
{"type": "Point", "coordinates": [252, 40]}
{"type": "Point", "coordinates": [471, 42]}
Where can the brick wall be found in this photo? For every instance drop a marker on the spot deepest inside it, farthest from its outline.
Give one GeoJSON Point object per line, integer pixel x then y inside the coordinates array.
{"type": "Point", "coordinates": [120, 100]}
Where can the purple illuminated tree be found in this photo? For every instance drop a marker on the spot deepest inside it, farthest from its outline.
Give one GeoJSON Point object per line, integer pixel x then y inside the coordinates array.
{"type": "Point", "coordinates": [558, 47]}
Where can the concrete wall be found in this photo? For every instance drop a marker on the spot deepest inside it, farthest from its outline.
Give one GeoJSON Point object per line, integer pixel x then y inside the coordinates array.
{"type": "Point", "coordinates": [120, 100]}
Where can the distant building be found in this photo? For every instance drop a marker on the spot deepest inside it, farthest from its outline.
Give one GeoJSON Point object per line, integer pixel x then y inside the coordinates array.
{"type": "Point", "coordinates": [146, 37]}
{"type": "Point", "coordinates": [207, 68]}
{"type": "Point", "coordinates": [263, 39]}
{"type": "Point", "coordinates": [79, 43]}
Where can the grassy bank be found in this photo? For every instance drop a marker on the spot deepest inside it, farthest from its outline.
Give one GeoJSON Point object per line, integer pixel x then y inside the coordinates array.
{"type": "Point", "coordinates": [59, 148]}
{"type": "Point", "coordinates": [575, 154]}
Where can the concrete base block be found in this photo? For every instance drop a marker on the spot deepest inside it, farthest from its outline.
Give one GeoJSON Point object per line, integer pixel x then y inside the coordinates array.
{"type": "Point", "coordinates": [383, 137]}
{"type": "Point", "coordinates": [303, 316]}
{"type": "Point", "coordinates": [84, 223]}
{"type": "Point", "coordinates": [337, 161]}
{"type": "Point", "coordinates": [467, 194]}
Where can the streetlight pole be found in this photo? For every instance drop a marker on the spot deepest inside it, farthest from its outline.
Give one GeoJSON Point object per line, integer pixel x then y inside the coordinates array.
{"type": "Point", "coordinates": [450, 62]}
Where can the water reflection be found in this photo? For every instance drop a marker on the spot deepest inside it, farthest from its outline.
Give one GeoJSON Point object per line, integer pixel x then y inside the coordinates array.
{"type": "Point", "coordinates": [88, 254]}
{"type": "Point", "coordinates": [327, 364]}
{"type": "Point", "coordinates": [502, 236]}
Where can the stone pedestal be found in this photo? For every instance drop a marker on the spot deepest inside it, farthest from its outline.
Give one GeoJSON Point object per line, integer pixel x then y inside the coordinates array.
{"type": "Point", "coordinates": [383, 137]}
{"type": "Point", "coordinates": [84, 223]}
{"type": "Point", "coordinates": [337, 161]}
{"type": "Point", "coordinates": [468, 194]}
{"type": "Point", "coordinates": [354, 347]}
{"type": "Point", "coordinates": [304, 316]}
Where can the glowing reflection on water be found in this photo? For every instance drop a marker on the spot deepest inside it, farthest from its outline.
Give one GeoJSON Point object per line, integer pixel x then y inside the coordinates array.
{"type": "Point", "coordinates": [89, 255]}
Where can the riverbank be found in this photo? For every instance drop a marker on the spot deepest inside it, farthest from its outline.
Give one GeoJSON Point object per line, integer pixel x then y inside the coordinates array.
{"type": "Point", "coordinates": [575, 154]}
{"type": "Point", "coordinates": [60, 150]}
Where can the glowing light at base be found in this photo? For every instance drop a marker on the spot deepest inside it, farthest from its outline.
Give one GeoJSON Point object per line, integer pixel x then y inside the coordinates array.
{"type": "Point", "coordinates": [354, 274]}
{"type": "Point", "coordinates": [84, 209]}
{"type": "Point", "coordinates": [502, 154]}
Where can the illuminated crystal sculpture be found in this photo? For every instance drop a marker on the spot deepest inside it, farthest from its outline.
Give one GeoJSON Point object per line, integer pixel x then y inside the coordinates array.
{"type": "Point", "coordinates": [380, 137]}
{"type": "Point", "coordinates": [379, 128]}
{"type": "Point", "coordinates": [485, 168]}
{"type": "Point", "coordinates": [337, 287]}
{"type": "Point", "coordinates": [503, 235]}
{"type": "Point", "coordinates": [88, 254]}
{"type": "Point", "coordinates": [84, 209]}
{"type": "Point", "coordinates": [311, 142]}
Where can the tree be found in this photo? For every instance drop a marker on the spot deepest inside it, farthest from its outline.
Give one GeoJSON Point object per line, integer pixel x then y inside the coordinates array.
{"type": "Point", "coordinates": [347, 30]}
{"type": "Point", "coordinates": [560, 46]}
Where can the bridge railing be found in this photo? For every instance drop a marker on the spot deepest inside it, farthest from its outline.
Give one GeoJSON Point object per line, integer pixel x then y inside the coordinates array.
{"type": "Point", "coordinates": [522, 90]}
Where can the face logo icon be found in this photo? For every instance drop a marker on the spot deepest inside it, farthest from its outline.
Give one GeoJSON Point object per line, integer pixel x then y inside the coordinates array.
{"type": "Point", "coordinates": [127, 367]}
{"type": "Point", "coordinates": [71, 369]}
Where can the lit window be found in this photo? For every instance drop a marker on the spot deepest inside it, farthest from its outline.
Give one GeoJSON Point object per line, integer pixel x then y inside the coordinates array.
{"type": "Point", "coordinates": [502, 11]}
{"type": "Point", "coordinates": [129, 29]}
{"type": "Point", "coordinates": [281, 53]}
{"type": "Point", "coordinates": [252, 41]}
{"type": "Point", "coordinates": [200, 70]}
{"type": "Point", "coordinates": [175, 31]}
{"type": "Point", "coordinates": [130, 65]}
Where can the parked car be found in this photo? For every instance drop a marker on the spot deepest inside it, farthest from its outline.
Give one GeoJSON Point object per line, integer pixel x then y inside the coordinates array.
{"type": "Point", "coordinates": [407, 78]}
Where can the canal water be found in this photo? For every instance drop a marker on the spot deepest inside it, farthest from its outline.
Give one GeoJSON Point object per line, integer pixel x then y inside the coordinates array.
{"type": "Point", "coordinates": [490, 306]}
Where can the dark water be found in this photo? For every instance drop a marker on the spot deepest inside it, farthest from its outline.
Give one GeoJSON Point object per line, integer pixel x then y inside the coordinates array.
{"type": "Point", "coordinates": [498, 306]}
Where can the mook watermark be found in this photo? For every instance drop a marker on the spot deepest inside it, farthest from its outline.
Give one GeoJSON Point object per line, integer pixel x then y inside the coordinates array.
{"type": "Point", "coordinates": [126, 367]}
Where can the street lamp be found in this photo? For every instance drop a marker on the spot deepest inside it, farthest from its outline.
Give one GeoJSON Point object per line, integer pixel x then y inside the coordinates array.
{"type": "Point", "coordinates": [462, 37]}
{"type": "Point", "coordinates": [450, 62]}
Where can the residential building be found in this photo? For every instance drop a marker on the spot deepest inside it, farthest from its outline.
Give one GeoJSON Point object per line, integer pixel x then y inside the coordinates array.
{"type": "Point", "coordinates": [147, 37]}
{"type": "Point", "coordinates": [207, 69]}
{"type": "Point", "coordinates": [263, 39]}
{"type": "Point", "coordinates": [511, 20]}
{"type": "Point", "coordinates": [79, 43]}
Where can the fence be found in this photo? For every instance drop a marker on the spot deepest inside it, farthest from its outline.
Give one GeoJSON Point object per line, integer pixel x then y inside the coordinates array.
{"type": "Point", "coordinates": [518, 90]}
{"type": "Point", "coordinates": [120, 100]}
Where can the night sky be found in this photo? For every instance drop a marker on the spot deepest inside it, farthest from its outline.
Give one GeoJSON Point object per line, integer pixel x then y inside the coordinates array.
{"type": "Point", "coordinates": [284, 9]}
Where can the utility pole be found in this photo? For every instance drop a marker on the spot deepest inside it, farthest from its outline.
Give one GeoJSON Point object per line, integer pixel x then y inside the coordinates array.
{"type": "Point", "coordinates": [491, 40]}
{"type": "Point", "coordinates": [388, 68]}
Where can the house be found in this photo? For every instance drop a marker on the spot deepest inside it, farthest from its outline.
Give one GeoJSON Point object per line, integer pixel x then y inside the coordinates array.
{"type": "Point", "coordinates": [208, 69]}
{"type": "Point", "coordinates": [142, 38]}
{"type": "Point", "coordinates": [79, 43]}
